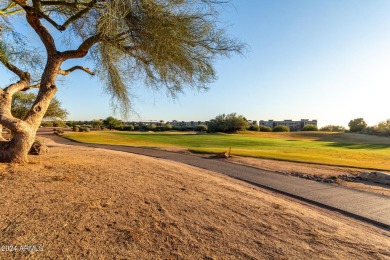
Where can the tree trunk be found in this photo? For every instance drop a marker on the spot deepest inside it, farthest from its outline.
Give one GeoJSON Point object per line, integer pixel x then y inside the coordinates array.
{"type": "Point", "coordinates": [24, 130]}
{"type": "Point", "coordinates": [2, 139]}
{"type": "Point", "coordinates": [16, 150]}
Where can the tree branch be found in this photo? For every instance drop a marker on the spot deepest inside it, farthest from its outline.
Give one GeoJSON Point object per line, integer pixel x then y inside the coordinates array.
{"type": "Point", "coordinates": [20, 73]}
{"type": "Point", "coordinates": [68, 71]}
{"type": "Point", "coordinates": [10, 9]}
{"type": "Point", "coordinates": [21, 3]}
{"type": "Point", "coordinates": [51, 21]}
{"type": "Point", "coordinates": [30, 87]}
{"type": "Point", "coordinates": [62, 3]}
{"type": "Point", "coordinates": [82, 49]}
{"type": "Point", "coordinates": [16, 87]}
{"type": "Point", "coordinates": [38, 10]}
{"type": "Point", "coordinates": [33, 15]}
{"type": "Point", "coordinates": [79, 14]}
{"type": "Point", "coordinates": [43, 33]}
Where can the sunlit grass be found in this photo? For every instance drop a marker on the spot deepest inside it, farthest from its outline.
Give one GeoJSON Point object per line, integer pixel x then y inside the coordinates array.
{"type": "Point", "coordinates": [323, 148]}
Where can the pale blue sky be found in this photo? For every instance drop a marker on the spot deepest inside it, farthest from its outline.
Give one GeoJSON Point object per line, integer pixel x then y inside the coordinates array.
{"type": "Point", "coordinates": [327, 60]}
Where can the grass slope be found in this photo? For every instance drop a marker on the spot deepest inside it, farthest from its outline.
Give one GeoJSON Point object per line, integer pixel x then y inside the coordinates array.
{"type": "Point", "coordinates": [342, 149]}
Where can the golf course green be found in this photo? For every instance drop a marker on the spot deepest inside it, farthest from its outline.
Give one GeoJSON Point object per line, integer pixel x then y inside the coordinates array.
{"type": "Point", "coordinates": [342, 149]}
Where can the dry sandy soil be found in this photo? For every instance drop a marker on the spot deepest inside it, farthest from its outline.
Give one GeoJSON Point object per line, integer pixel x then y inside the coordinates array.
{"type": "Point", "coordinates": [86, 203]}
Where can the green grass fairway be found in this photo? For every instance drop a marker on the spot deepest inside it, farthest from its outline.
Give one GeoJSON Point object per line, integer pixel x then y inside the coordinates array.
{"type": "Point", "coordinates": [344, 149]}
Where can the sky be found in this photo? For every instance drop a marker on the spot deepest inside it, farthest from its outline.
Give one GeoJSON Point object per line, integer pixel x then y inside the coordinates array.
{"type": "Point", "coordinates": [315, 59]}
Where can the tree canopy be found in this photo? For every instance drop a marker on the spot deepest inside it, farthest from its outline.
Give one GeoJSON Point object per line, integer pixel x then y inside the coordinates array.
{"type": "Point", "coordinates": [112, 123]}
{"type": "Point", "coordinates": [169, 44]}
{"type": "Point", "coordinates": [357, 125]}
{"type": "Point", "coordinates": [227, 123]}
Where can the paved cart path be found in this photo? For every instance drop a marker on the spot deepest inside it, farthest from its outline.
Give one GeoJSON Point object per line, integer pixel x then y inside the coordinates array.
{"type": "Point", "coordinates": [362, 205]}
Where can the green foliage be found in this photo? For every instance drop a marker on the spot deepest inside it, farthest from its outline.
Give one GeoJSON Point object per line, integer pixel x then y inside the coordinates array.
{"type": "Point", "coordinates": [112, 123]}
{"type": "Point", "coordinates": [47, 124]}
{"type": "Point", "coordinates": [22, 102]}
{"type": "Point", "coordinates": [384, 127]}
{"type": "Point", "coordinates": [333, 128]}
{"type": "Point", "coordinates": [85, 129]}
{"type": "Point", "coordinates": [357, 125]}
{"type": "Point", "coordinates": [168, 44]}
{"type": "Point", "coordinates": [227, 123]}
{"type": "Point", "coordinates": [151, 127]}
{"type": "Point", "coordinates": [281, 128]}
{"type": "Point", "coordinates": [201, 128]}
{"type": "Point", "coordinates": [264, 128]}
{"type": "Point", "coordinates": [309, 127]}
{"type": "Point", "coordinates": [58, 123]}
{"type": "Point", "coordinates": [381, 129]}
{"type": "Point", "coordinates": [171, 43]}
{"type": "Point", "coordinates": [128, 128]}
{"type": "Point", "coordinates": [70, 123]}
{"type": "Point", "coordinates": [255, 128]}
{"type": "Point", "coordinates": [97, 124]}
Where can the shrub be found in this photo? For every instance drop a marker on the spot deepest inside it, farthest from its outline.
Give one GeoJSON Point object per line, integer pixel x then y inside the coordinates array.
{"type": "Point", "coordinates": [264, 128]}
{"type": "Point", "coordinates": [70, 123]}
{"type": "Point", "coordinates": [75, 128]}
{"type": "Point", "coordinates": [333, 128]}
{"type": "Point", "coordinates": [58, 123]}
{"type": "Point", "coordinates": [160, 128]}
{"type": "Point", "coordinates": [58, 132]}
{"type": "Point", "coordinates": [309, 127]}
{"type": "Point", "coordinates": [281, 128]}
{"type": "Point", "coordinates": [151, 127]}
{"type": "Point", "coordinates": [201, 128]}
{"type": "Point", "coordinates": [85, 129]}
{"type": "Point", "coordinates": [47, 124]}
{"type": "Point", "coordinates": [255, 128]}
{"type": "Point", "coordinates": [128, 128]}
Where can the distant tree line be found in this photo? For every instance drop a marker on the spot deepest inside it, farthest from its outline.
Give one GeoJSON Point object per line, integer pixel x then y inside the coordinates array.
{"type": "Point", "coordinates": [111, 123]}
{"type": "Point", "coordinates": [228, 123]}
{"type": "Point", "coordinates": [358, 125]}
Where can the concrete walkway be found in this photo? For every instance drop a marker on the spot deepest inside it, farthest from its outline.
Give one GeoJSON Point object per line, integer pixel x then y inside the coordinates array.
{"type": "Point", "coordinates": [370, 207]}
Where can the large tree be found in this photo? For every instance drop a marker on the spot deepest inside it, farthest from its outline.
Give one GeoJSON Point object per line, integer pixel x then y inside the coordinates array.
{"type": "Point", "coordinates": [168, 43]}
{"type": "Point", "coordinates": [357, 125]}
{"type": "Point", "coordinates": [227, 123]}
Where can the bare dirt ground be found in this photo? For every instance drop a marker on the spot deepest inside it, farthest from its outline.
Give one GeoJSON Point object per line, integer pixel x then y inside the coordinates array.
{"type": "Point", "coordinates": [86, 203]}
{"type": "Point", "coordinates": [322, 171]}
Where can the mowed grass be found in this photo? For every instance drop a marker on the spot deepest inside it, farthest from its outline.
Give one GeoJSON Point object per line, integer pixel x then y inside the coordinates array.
{"type": "Point", "coordinates": [343, 149]}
